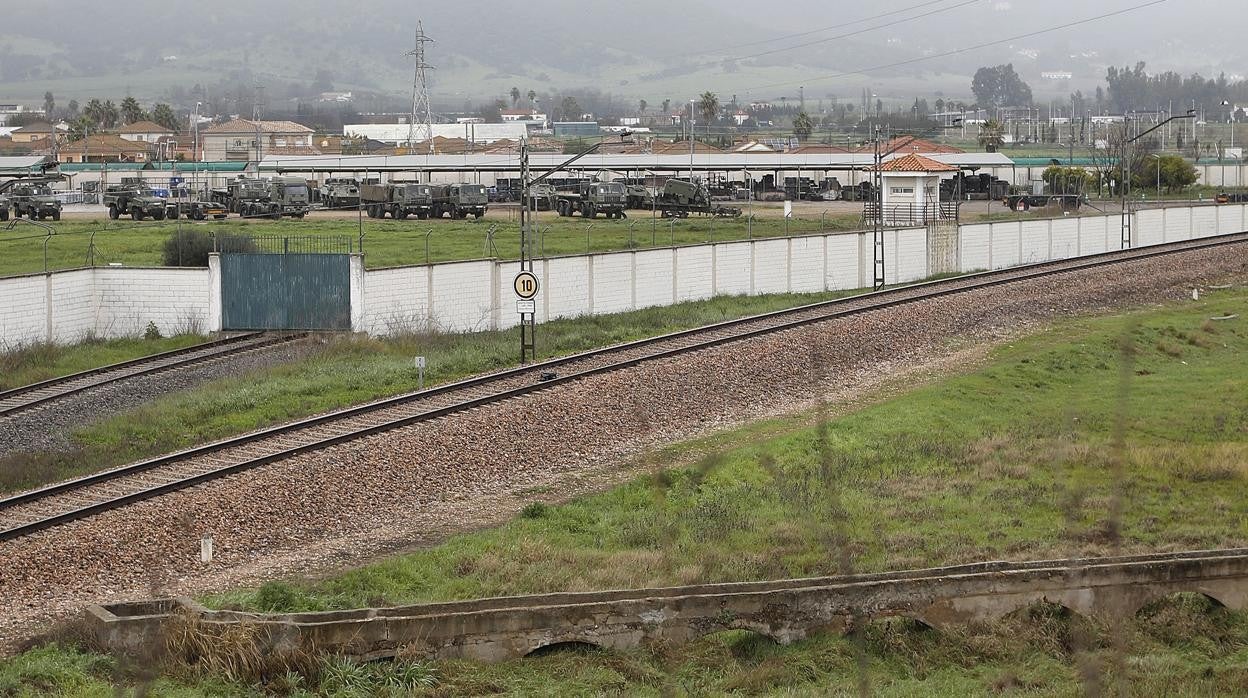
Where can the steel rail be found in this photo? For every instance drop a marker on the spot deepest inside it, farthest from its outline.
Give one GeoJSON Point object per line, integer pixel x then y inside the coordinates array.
{"type": "Point", "coordinates": [874, 301]}
{"type": "Point", "coordinates": [146, 365]}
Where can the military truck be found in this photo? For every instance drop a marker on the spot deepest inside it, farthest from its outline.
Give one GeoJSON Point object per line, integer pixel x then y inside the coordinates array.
{"type": "Point", "coordinates": [681, 197]}
{"type": "Point", "coordinates": [285, 196]}
{"type": "Point", "coordinates": [399, 199]}
{"type": "Point", "coordinates": [339, 193]}
{"type": "Point", "coordinates": [135, 199]}
{"type": "Point", "coordinates": [459, 200]}
{"type": "Point", "coordinates": [194, 210]}
{"type": "Point", "coordinates": [240, 193]}
{"type": "Point", "coordinates": [592, 198]}
{"type": "Point", "coordinates": [35, 200]}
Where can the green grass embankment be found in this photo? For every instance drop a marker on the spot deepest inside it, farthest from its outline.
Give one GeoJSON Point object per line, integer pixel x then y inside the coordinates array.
{"type": "Point", "coordinates": [1013, 460]}
{"type": "Point", "coordinates": [389, 243]}
{"type": "Point", "coordinates": [39, 362]}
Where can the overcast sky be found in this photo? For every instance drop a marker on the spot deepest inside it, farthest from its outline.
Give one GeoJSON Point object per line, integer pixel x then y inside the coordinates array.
{"type": "Point", "coordinates": [643, 48]}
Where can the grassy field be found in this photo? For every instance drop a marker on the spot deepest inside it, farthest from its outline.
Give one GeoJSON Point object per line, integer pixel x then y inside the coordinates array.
{"type": "Point", "coordinates": [38, 362]}
{"type": "Point", "coordinates": [1014, 460]}
{"type": "Point", "coordinates": [342, 372]}
{"type": "Point", "coordinates": [392, 243]}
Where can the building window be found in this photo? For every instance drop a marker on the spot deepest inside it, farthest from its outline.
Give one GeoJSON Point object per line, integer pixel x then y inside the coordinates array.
{"type": "Point", "coordinates": [902, 190]}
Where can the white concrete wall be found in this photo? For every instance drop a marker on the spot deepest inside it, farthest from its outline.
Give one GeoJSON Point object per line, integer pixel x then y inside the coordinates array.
{"type": "Point", "coordinates": [68, 306]}
{"type": "Point", "coordinates": [477, 295]}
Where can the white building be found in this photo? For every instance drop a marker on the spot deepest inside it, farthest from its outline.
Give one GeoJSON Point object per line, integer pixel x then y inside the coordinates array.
{"type": "Point", "coordinates": [477, 133]}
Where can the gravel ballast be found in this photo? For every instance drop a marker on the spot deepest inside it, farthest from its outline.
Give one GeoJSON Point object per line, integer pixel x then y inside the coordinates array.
{"type": "Point", "coordinates": [348, 503]}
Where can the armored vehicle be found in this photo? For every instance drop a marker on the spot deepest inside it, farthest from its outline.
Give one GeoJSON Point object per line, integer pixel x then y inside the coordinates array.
{"type": "Point", "coordinates": [639, 196]}
{"type": "Point", "coordinates": [136, 200]}
{"type": "Point", "coordinates": [340, 193]}
{"type": "Point", "coordinates": [35, 200]}
{"type": "Point", "coordinates": [542, 197]}
{"type": "Point", "coordinates": [460, 200]}
{"type": "Point", "coordinates": [590, 199]}
{"type": "Point", "coordinates": [681, 197]}
{"type": "Point", "coordinates": [400, 200]}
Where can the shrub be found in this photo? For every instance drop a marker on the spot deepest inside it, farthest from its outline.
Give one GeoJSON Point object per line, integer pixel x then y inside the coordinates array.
{"type": "Point", "coordinates": [152, 331]}
{"type": "Point", "coordinates": [190, 248]}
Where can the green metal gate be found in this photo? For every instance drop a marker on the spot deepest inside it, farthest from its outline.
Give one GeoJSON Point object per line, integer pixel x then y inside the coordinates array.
{"type": "Point", "coordinates": [285, 291]}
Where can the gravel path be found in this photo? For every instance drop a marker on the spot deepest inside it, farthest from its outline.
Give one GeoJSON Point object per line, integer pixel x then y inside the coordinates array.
{"type": "Point", "coordinates": [50, 427]}
{"type": "Point", "coordinates": [346, 504]}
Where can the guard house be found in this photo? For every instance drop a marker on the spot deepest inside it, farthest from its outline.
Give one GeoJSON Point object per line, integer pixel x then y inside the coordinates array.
{"type": "Point", "coordinates": [911, 192]}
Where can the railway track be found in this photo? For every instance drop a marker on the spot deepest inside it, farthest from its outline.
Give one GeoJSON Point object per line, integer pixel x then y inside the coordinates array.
{"type": "Point", "coordinates": [32, 511]}
{"type": "Point", "coordinates": [40, 394]}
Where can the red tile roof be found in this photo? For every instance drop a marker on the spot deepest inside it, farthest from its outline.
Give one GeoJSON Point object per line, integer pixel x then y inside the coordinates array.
{"type": "Point", "coordinates": [910, 144]}
{"type": "Point", "coordinates": [916, 163]}
{"type": "Point", "coordinates": [144, 127]}
{"type": "Point", "coordinates": [246, 126]}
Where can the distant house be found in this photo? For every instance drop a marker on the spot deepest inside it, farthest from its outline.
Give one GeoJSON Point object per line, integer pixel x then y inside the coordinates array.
{"type": "Point", "coordinates": [144, 132]}
{"type": "Point", "coordinates": [243, 139]}
{"type": "Point", "coordinates": [36, 131]}
{"type": "Point", "coordinates": [532, 117]}
{"type": "Point", "coordinates": [903, 145]}
{"type": "Point", "coordinates": [576, 128]}
{"type": "Point", "coordinates": [97, 147]}
{"type": "Point", "coordinates": [334, 97]}
{"type": "Point", "coordinates": [8, 109]}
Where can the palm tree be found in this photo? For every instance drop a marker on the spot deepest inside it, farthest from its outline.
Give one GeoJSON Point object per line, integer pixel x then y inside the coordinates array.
{"type": "Point", "coordinates": [532, 96]}
{"type": "Point", "coordinates": [131, 112]}
{"type": "Point", "coordinates": [708, 104]}
{"type": "Point", "coordinates": [641, 106]}
{"type": "Point", "coordinates": [515, 97]}
{"type": "Point", "coordinates": [991, 135]}
{"type": "Point", "coordinates": [803, 126]}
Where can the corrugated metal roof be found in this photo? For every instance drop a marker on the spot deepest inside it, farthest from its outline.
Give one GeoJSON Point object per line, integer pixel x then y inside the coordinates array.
{"type": "Point", "coordinates": [510, 162]}
{"type": "Point", "coordinates": [25, 163]}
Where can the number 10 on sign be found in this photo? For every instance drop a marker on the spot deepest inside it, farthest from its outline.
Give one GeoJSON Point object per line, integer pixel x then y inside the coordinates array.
{"type": "Point", "coordinates": [525, 285]}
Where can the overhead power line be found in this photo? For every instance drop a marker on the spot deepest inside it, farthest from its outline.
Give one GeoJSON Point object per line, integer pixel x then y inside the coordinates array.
{"type": "Point", "coordinates": [954, 52]}
{"type": "Point", "coordinates": [798, 35]}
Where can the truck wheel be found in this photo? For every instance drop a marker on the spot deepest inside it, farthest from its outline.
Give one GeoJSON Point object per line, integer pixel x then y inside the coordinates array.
{"type": "Point", "coordinates": [113, 213]}
{"type": "Point", "coordinates": [56, 215]}
{"type": "Point", "coordinates": [478, 215]}
{"type": "Point", "coordinates": [4, 214]}
{"type": "Point", "coordinates": [587, 211]}
{"type": "Point", "coordinates": [174, 214]}
{"type": "Point", "coordinates": [400, 213]}
{"type": "Point", "coordinates": [136, 214]}
{"type": "Point", "coordinates": [1022, 205]}
{"type": "Point", "coordinates": [275, 213]}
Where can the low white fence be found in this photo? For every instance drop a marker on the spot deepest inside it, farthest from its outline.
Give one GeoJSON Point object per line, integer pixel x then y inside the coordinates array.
{"type": "Point", "coordinates": [476, 295]}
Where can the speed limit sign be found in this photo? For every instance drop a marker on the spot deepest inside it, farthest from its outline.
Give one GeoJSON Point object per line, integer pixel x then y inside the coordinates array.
{"type": "Point", "coordinates": [525, 285]}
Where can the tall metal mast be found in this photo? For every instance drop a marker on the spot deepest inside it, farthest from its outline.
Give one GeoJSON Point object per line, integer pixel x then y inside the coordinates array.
{"type": "Point", "coordinates": [420, 94]}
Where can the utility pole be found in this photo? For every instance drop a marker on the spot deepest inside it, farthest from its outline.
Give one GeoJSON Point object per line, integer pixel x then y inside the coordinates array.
{"type": "Point", "coordinates": [421, 107]}
{"type": "Point", "coordinates": [877, 224]}
{"type": "Point", "coordinates": [528, 321]}
{"type": "Point", "coordinates": [256, 104]}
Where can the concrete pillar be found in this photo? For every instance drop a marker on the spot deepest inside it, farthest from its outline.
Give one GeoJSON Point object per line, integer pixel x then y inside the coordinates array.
{"type": "Point", "coordinates": [214, 292]}
{"type": "Point", "coordinates": [357, 293]}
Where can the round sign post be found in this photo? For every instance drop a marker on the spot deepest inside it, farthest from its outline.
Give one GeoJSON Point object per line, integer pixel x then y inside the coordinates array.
{"type": "Point", "coordinates": [525, 285]}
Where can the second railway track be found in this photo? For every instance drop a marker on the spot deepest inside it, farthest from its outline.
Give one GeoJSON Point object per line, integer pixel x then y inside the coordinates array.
{"type": "Point", "coordinates": [28, 512]}
{"type": "Point", "coordinates": [46, 392]}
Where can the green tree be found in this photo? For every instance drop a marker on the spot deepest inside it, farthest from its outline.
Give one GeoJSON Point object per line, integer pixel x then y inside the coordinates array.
{"type": "Point", "coordinates": [1173, 171]}
{"type": "Point", "coordinates": [532, 97]}
{"type": "Point", "coordinates": [641, 106]}
{"type": "Point", "coordinates": [667, 107]}
{"type": "Point", "coordinates": [1068, 180]}
{"type": "Point", "coordinates": [515, 97]}
{"type": "Point", "coordinates": [803, 126]}
{"type": "Point", "coordinates": [708, 104]}
{"type": "Point", "coordinates": [1000, 86]}
{"type": "Point", "coordinates": [570, 109]}
{"type": "Point", "coordinates": [991, 135]}
{"type": "Point", "coordinates": [49, 105]}
{"type": "Point", "coordinates": [163, 114]}
{"type": "Point", "coordinates": [131, 112]}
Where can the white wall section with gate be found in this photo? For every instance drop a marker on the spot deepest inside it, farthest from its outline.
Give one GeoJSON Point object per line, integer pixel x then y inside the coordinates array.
{"type": "Point", "coordinates": [476, 295]}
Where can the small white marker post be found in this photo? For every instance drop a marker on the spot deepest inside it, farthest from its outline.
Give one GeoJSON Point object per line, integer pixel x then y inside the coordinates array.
{"type": "Point", "coordinates": [420, 373]}
{"type": "Point", "coordinates": [205, 549]}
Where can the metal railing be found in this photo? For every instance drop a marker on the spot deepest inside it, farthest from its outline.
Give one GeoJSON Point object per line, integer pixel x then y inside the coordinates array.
{"type": "Point", "coordinates": [910, 214]}
{"type": "Point", "coordinates": [285, 244]}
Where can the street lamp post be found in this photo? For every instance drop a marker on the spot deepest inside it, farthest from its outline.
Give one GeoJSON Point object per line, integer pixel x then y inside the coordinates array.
{"type": "Point", "coordinates": [1125, 170]}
